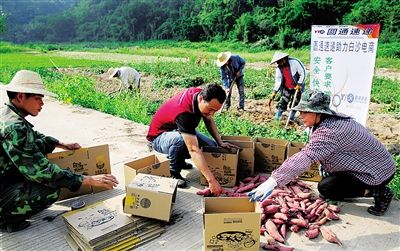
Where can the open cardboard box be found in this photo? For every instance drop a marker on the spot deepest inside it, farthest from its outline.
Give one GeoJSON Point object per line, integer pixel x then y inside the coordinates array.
{"type": "Point", "coordinates": [245, 166]}
{"type": "Point", "coordinates": [222, 163]}
{"type": "Point", "coordinates": [150, 196]}
{"type": "Point", "coordinates": [269, 153]}
{"type": "Point", "coordinates": [231, 224]}
{"type": "Point", "coordinates": [154, 164]}
{"type": "Point", "coordinates": [236, 138]}
{"type": "Point", "coordinates": [93, 160]}
{"type": "Point", "coordinates": [312, 174]}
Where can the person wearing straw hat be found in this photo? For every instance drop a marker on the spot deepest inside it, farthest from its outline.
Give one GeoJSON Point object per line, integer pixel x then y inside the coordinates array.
{"type": "Point", "coordinates": [232, 67]}
{"type": "Point", "coordinates": [29, 183]}
{"type": "Point", "coordinates": [353, 163]}
{"type": "Point", "coordinates": [129, 78]}
{"type": "Point", "coordinates": [290, 76]}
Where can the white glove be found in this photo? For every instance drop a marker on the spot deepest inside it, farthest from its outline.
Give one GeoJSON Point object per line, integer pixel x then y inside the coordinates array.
{"type": "Point", "coordinates": [263, 190]}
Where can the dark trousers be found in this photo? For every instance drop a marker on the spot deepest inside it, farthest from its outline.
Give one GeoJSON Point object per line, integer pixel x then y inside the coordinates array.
{"type": "Point", "coordinates": [341, 185]}
{"type": "Point", "coordinates": [286, 98]}
{"type": "Point", "coordinates": [20, 200]}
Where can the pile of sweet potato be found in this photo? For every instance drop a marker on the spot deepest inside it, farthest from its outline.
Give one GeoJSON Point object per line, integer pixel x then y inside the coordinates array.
{"type": "Point", "coordinates": [293, 207]}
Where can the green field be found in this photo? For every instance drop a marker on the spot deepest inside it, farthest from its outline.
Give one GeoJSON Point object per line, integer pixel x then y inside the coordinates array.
{"type": "Point", "coordinates": [200, 68]}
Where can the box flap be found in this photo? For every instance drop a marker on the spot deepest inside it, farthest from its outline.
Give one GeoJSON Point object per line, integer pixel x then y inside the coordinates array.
{"type": "Point", "coordinates": [154, 183]}
{"type": "Point", "coordinates": [228, 205]}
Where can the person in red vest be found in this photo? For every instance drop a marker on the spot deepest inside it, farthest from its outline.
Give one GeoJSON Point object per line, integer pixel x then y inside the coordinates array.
{"type": "Point", "coordinates": [290, 76]}
{"type": "Point", "coordinates": [173, 132]}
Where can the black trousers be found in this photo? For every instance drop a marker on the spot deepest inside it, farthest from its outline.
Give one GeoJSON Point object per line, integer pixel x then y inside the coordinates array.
{"type": "Point", "coordinates": [341, 185]}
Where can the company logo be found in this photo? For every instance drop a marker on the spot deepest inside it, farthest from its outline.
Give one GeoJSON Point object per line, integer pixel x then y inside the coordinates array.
{"type": "Point", "coordinates": [319, 31]}
{"type": "Point", "coordinates": [338, 99]}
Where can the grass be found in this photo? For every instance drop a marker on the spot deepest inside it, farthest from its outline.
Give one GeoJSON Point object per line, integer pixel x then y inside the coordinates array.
{"type": "Point", "coordinates": [77, 89]}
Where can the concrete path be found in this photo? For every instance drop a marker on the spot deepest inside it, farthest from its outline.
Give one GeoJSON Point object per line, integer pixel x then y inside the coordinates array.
{"type": "Point", "coordinates": [357, 229]}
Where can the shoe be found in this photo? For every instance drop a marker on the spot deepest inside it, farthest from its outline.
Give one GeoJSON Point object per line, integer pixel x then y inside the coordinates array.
{"type": "Point", "coordinates": [16, 226]}
{"type": "Point", "coordinates": [240, 109]}
{"type": "Point", "coordinates": [187, 166]}
{"type": "Point", "coordinates": [278, 115]}
{"type": "Point", "coordinates": [181, 181]}
{"type": "Point", "coordinates": [382, 198]}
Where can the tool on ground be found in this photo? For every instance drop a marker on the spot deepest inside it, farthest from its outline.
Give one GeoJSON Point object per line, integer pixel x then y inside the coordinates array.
{"type": "Point", "coordinates": [291, 108]}
{"type": "Point", "coordinates": [230, 91]}
{"type": "Point", "coordinates": [77, 204]}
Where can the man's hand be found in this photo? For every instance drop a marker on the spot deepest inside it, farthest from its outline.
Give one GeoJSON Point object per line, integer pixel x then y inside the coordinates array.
{"type": "Point", "coordinates": [68, 146]}
{"type": "Point", "coordinates": [263, 190]}
{"type": "Point", "coordinates": [298, 87]}
{"type": "Point", "coordinates": [228, 145]}
{"type": "Point", "coordinates": [215, 187]}
{"type": "Point", "coordinates": [237, 74]}
{"type": "Point", "coordinates": [107, 181]}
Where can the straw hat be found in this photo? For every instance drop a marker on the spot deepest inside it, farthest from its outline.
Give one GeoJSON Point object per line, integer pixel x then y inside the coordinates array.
{"type": "Point", "coordinates": [278, 56]}
{"type": "Point", "coordinates": [222, 58]}
{"type": "Point", "coordinates": [114, 71]}
{"type": "Point", "coordinates": [26, 81]}
{"type": "Point", "coordinates": [314, 101]}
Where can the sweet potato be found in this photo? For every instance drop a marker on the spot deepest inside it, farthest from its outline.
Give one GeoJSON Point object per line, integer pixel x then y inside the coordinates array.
{"type": "Point", "coordinates": [271, 209]}
{"type": "Point", "coordinates": [330, 215]}
{"type": "Point", "coordinates": [273, 231]}
{"type": "Point", "coordinates": [277, 246]}
{"type": "Point", "coordinates": [329, 235]}
{"type": "Point", "coordinates": [282, 231]}
{"type": "Point", "coordinates": [280, 216]}
{"type": "Point", "coordinates": [303, 195]}
{"type": "Point", "coordinates": [299, 222]}
{"type": "Point", "coordinates": [205, 192]}
{"type": "Point", "coordinates": [312, 233]}
{"type": "Point", "coordinates": [246, 188]}
{"type": "Point", "coordinates": [294, 228]}
{"type": "Point", "coordinates": [277, 221]}
{"type": "Point", "coordinates": [268, 239]}
{"type": "Point", "coordinates": [267, 202]}
{"type": "Point", "coordinates": [334, 208]}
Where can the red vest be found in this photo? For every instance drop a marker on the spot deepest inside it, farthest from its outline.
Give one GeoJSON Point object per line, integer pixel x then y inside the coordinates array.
{"type": "Point", "coordinates": [164, 119]}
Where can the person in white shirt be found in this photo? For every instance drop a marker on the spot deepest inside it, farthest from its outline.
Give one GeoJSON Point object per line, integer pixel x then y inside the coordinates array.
{"type": "Point", "coordinates": [129, 78]}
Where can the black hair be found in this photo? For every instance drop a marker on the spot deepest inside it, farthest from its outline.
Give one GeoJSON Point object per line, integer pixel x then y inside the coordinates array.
{"type": "Point", "coordinates": [212, 91]}
{"type": "Point", "coordinates": [11, 95]}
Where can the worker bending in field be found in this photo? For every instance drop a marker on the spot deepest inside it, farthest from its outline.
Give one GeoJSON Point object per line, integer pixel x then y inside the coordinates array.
{"type": "Point", "coordinates": [173, 132]}
{"type": "Point", "coordinates": [290, 76]}
{"type": "Point", "coordinates": [129, 78]}
{"type": "Point", "coordinates": [29, 183]}
{"type": "Point", "coordinates": [232, 67]}
{"type": "Point", "coordinates": [353, 162]}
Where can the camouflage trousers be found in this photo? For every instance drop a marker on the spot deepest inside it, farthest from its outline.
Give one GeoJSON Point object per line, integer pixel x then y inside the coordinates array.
{"type": "Point", "coordinates": [21, 200]}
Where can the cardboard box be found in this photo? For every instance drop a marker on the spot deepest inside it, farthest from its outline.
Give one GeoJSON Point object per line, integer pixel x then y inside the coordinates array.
{"type": "Point", "coordinates": [150, 196]}
{"type": "Point", "coordinates": [222, 163]}
{"type": "Point", "coordinates": [269, 153]}
{"type": "Point", "coordinates": [246, 158]}
{"type": "Point", "coordinates": [150, 164]}
{"type": "Point", "coordinates": [312, 174]}
{"type": "Point", "coordinates": [231, 224]}
{"type": "Point", "coordinates": [236, 138]}
{"type": "Point", "coordinates": [87, 161]}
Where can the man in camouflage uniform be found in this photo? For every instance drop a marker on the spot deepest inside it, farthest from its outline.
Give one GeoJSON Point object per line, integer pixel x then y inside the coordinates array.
{"type": "Point", "coordinates": [29, 183]}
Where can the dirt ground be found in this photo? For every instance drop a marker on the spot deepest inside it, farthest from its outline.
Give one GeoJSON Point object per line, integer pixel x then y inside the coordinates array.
{"type": "Point", "coordinates": [386, 127]}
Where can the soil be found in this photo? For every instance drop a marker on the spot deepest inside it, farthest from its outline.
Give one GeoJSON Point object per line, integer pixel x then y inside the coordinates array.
{"type": "Point", "coordinates": [385, 126]}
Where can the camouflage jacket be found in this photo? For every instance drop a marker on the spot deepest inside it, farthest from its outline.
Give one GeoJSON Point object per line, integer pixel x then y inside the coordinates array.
{"type": "Point", "coordinates": [23, 153]}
